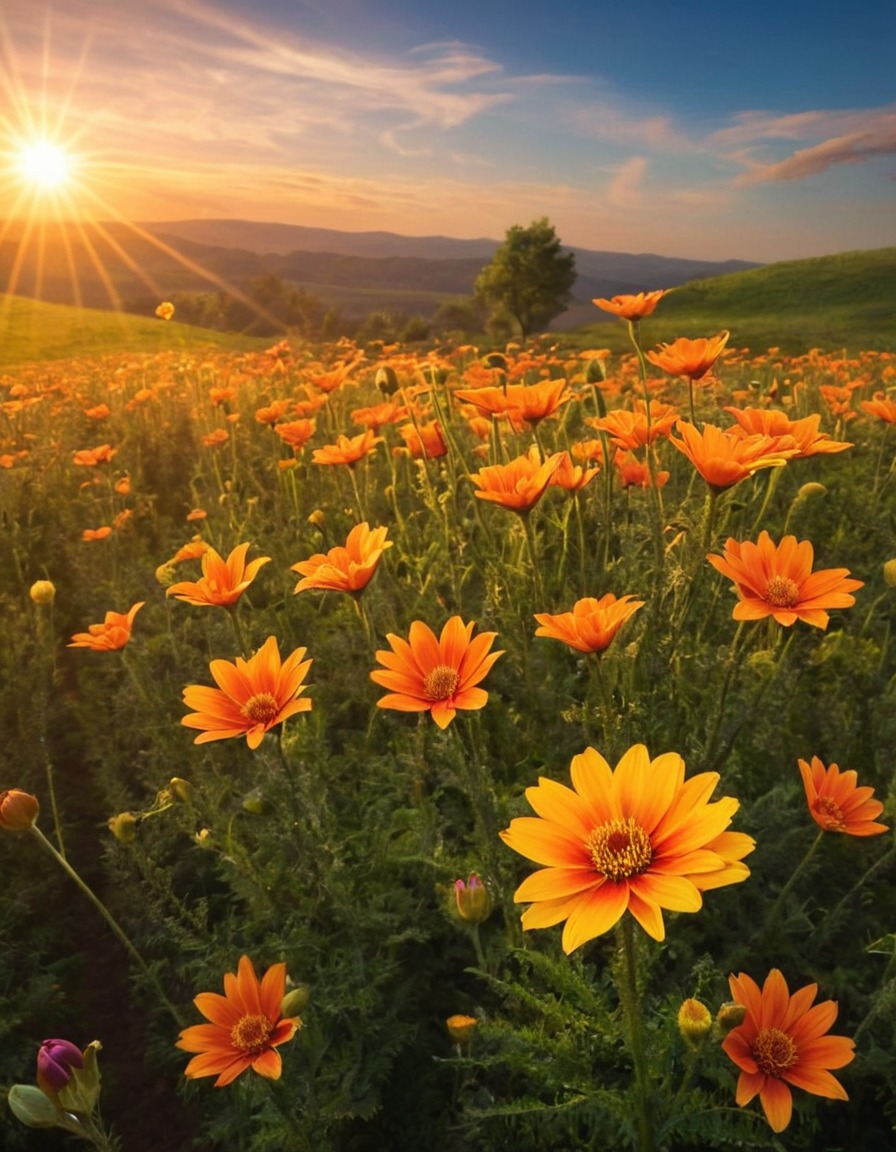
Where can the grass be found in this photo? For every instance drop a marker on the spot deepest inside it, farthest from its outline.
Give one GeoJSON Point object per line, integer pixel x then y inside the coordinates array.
{"type": "Point", "coordinates": [835, 302]}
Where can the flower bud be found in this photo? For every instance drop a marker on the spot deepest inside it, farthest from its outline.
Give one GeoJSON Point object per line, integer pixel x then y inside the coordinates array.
{"type": "Point", "coordinates": [165, 310]}
{"type": "Point", "coordinates": [461, 1029]}
{"type": "Point", "coordinates": [181, 789]}
{"type": "Point", "coordinates": [317, 518]}
{"type": "Point", "coordinates": [497, 361]}
{"type": "Point", "coordinates": [730, 1015]}
{"type": "Point", "coordinates": [123, 827]}
{"type": "Point", "coordinates": [81, 1092]}
{"type": "Point", "coordinates": [255, 802]}
{"type": "Point", "coordinates": [473, 901]}
{"type": "Point", "coordinates": [386, 380]}
{"type": "Point", "coordinates": [42, 591]}
{"type": "Point", "coordinates": [55, 1061]}
{"type": "Point", "coordinates": [813, 488]}
{"type": "Point", "coordinates": [32, 1106]}
{"type": "Point", "coordinates": [166, 574]}
{"type": "Point", "coordinates": [694, 1021]}
{"type": "Point", "coordinates": [295, 1001]}
{"type": "Point", "coordinates": [18, 810]}
{"type": "Point", "coordinates": [890, 573]}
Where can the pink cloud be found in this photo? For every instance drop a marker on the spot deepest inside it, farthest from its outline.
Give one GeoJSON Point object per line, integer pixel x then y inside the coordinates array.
{"type": "Point", "coordinates": [853, 148]}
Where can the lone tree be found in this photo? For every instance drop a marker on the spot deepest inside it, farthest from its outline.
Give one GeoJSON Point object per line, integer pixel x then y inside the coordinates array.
{"type": "Point", "coordinates": [530, 277]}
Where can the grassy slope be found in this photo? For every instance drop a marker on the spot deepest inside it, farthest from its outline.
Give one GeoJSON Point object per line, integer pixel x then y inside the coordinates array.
{"type": "Point", "coordinates": [32, 330]}
{"type": "Point", "coordinates": [828, 302]}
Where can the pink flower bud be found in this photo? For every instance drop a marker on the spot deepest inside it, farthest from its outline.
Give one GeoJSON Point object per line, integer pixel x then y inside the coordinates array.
{"type": "Point", "coordinates": [55, 1061]}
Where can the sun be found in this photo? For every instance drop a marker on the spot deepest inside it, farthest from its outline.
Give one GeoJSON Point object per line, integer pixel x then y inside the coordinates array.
{"type": "Point", "coordinates": [44, 165]}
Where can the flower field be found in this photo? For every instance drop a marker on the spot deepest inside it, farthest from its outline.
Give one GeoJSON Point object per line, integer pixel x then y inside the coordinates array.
{"type": "Point", "coordinates": [450, 749]}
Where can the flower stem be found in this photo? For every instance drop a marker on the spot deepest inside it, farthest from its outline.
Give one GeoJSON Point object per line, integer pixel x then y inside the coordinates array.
{"type": "Point", "coordinates": [788, 887]}
{"type": "Point", "coordinates": [627, 986]}
{"type": "Point", "coordinates": [117, 930]}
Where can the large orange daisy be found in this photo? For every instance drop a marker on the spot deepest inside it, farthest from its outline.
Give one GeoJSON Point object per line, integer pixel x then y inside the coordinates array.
{"type": "Point", "coordinates": [592, 624]}
{"type": "Point", "coordinates": [836, 803]}
{"type": "Point", "coordinates": [807, 438]}
{"type": "Point", "coordinates": [724, 457]}
{"type": "Point", "coordinates": [631, 307]}
{"type": "Point", "coordinates": [347, 568]}
{"type": "Point", "coordinates": [777, 580]}
{"type": "Point", "coordinates": [425, 674]}
{"type": "Point", "coordinates": [519, 484]}
{"type": "Point", "coordinates": [691, 358]}
{"type": "Point", "coordinates": [639, 838]}
{"type": "Point", "coordinates": [246, 1026]}
{"type": "Point", "coordinates": [222, 581]}
{"type": "Point", "coordinates": [252, 695]}
{"type": "Point", "coordinates": [783, 1041]}
{"type": "Point", "coordinates": [113, 633]}
{"type": "Point", "coordinates": [347, 449]}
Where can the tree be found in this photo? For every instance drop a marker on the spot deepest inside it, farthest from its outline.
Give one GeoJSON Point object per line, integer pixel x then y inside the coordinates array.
{"type": "Point", "coordinates": [530, 276]}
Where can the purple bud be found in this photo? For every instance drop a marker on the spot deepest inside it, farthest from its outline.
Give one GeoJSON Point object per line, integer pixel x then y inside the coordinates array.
{"type": "Point", "coordinates": [55, 1061]}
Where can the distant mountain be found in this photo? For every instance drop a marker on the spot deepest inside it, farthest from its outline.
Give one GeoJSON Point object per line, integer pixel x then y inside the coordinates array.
{"type": "Point", "coordinates": [115, 265]}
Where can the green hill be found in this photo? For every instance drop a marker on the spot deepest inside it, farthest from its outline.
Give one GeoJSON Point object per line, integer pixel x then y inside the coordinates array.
{"type": "Point", "coordinates": [33, 330]}
{"type": "Point", "coordinates": [828, 302]}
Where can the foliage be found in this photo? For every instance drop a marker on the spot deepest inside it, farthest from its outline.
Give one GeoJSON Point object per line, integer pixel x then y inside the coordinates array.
{"type": "Point", "coordinates": [530, 277]}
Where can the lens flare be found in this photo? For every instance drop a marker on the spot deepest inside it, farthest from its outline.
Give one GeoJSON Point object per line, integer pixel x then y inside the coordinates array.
{"type": "Point", "coordinates": [44, 164]}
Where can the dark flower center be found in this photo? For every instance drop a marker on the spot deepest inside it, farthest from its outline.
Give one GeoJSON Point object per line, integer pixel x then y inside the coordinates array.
{"type": "Point", "coordinates": [830, 814]}
{"type": "Point", "coordinates": [620, 849]}
{"type": "Point", "coordinates": [251, 1034]}
{"type": "Point", "coordinates": [774, 1051]}
{"type": "Point", "coordinates": [782, 592]}
{"type": "Point", "coordinates": [261, 708]}
{"type": "Point", "coordinates": [441, 682]}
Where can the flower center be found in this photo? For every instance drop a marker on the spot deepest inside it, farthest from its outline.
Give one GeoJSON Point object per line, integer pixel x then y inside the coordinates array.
{"type": "Point", "coordinates": [251, 1034]}
{"type": "Point", "coordinates": [441, 682]}
{"type": "Point", "coordinates": [261, 708]}
{"type": "Point", "coordinates": [782, 592]}
{"type": "Point", "coordinates": [774, 1051]}
{"type": "Point", "coordinates": [831, 814]}
{"type": "Point", "coordinates": [620, 849]}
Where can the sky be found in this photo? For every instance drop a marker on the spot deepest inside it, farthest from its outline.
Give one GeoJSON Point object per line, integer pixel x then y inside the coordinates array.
{"type": "Point", "coordinates": [760, 131]}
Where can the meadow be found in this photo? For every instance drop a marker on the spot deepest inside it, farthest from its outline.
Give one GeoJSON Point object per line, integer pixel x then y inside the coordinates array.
{"type": "Point", "coordinates": [449, 749]}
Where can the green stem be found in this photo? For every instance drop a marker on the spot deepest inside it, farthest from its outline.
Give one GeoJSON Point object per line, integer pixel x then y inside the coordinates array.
{"type": "Point", "coordinates": [242, 642]}
{"type": "Point", "coordinates": [117, 930]}
{"type": "Point", "coordinates": [627, 985]}
{"type": "Point", "coordinates": [533, 558]}
{"type": "Point", "coordinates": [788, 887]}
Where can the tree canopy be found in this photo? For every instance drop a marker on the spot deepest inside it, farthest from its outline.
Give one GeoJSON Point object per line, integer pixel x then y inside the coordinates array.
{"type": "Point", "coordinates": [530, 277]}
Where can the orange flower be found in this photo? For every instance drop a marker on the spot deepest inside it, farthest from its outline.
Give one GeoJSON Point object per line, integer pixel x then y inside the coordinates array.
{"type": "Point", "coordinates": [347, 450]}
{"type": "Point", "coordinates": [637, 839]}
{"type": "Point", "coordinates": [572, 477]}
{"type": "Point", "coordinates": [113, 633]}
{"type": "Point", "coordinates": [296, 433]}
{"type": "Point", "coordinates": [165, 310]}
{"type": "Point", "coordinates": [592, 624]}
{"type": "Point", "coordinates": [18, 810]}
{"type": "Point", "coordinates": [90, 457]}
{"type": "Point", "coordinates": [191, 551]}
{"type": "Point", "coordinates": [783, 1041]}
{"type": "Point", "coordinates": [533, 402]}
{"type": "Point", "coordinates": [222, 581]}
{"type": "Point", "coordinates": [632, 307]}
{"type": "Point", "coordinates": [97, 533]}
{"type": "Point", "coordinates": [424, 674]}
{"type": "Point", "coordinates": [252, 695]}
{"type": "Point", "coordinates": [691, 358]}
{"type": "Point", "coordinates": [835, 802]}
{"type": "Point", "coordinates": [724, 458]}
{"type": "Point", "coordinates": [347, 569]}
{"type": "Point", "coordinates": [490, 400]}
{"type": "Point", "coordinates": [520, 484]}
{"type": "Point", "coordinates": [777, 580]}
{"type": "Point", "coordinates": [374, 417]}
{"type": "Point", "coordinates": [216, 438]}
{"type": "Point", "coordinates": [804, 433]}
{"type": "Point", "coordinates": [246, 1026]}
{"type": "Point", "coordinates": [881, 407]}
{"type": "Point", "coordinates": [635, 473]}
{"type": "Point", "coordinates": [424, 440]}
{"type": "Point", "coordinates": [629, 429]}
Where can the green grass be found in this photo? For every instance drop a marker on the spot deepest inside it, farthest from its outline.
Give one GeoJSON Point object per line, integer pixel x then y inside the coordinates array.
{"type": "Point", "coordinates": [828, 302]}
{"type": "Point", "coordinates": [32, 330]}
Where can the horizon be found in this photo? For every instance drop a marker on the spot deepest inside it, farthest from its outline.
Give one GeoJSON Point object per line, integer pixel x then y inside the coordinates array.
{"type": "Point", "coordinates": [422, 122]}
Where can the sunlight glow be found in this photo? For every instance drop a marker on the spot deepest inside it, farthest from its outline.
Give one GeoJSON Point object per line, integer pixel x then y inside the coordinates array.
{"type": "Point", "coordinates": [44, 164]}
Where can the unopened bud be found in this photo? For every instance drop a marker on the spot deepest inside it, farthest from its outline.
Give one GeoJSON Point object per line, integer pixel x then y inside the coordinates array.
{"type": "Point", "coordinates": [473, 901]}
{"type": "Point", "coordinates": [123, 827]}
{"type": "Point", "coordinates": [730, 1015]}
{"type": "Point", "coordinates": [890, 573]}
{"type": "Point", "coordinates": [386, 380]}
{"type": "Point", "coordinates": [461, 1029]}
{"type": "Point", "coordinates": [813, 488]}
{"type": "Point", "coordinates": [81, 1092]}
{"type": "Point", "coordinates": [694, 1021]}
{"type": "Point", "coordinates": [317, 518]}
{"type": "Point", "coordinates": [295, 1001]}
{"type": "Point", "coordinates": [42, 591]}
{"type": "Point", "coordinates": [56, 1060]}
{"type": "Point", "coordinates": [255, 802]}
{"type": "Point", "coordinates": [181, 790]}
{"type": "Point", "coordinates": [166, 574]}
{"type": "Point", "coordinates": [18, 810]}
{"type": "Point", "coordinates": [497, 361]}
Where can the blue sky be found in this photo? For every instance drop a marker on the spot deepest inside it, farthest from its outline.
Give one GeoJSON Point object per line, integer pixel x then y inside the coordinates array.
{"type": "Point", "coordinates": [762, 131]}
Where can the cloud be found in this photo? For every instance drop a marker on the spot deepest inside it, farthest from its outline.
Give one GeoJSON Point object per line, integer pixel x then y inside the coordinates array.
{"type": "Point", "coordinates": [856, 148]}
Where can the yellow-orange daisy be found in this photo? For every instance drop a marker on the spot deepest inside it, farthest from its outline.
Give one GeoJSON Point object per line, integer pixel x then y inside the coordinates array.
{"type": "Point", "coordinates": [777, 580]}
{"type": "Point", "coordinates": [783, 1042]}
{"type": "Point", "coordinates": [592, 624]}
{"type": "Point", "coordinates": [639, 838]}
{"type": "Point", "coordinates": [252, 696]}
{"type": "Point", "coordinates": [533, 402]}
{"type": "Point", "coordinates": [346, 568]}
{"type": "Point", "coordinates": [222, 581]}
{"type": "Point", "coordinates": [424, 440]}
{"type": "Point", "coordinates": [882, 407]}
{"type": "Point", "coordinates": [837, 803]}
{"type": "Point", "coordinates": [439, 676]}
{"type": "Point", "coordinates": [631, 307]}
{"type": "Point", "coordinates": [629, 429]}
{"type": "Point", "coordinates": [246, 1026]}
{"type": "Point", "coordinates": [347, 449]}
{"type": "Point", "coordinates": [519, 484]}
{"type": "Point", "coordinates": [809, 441]}
{"type": "Point", "coordinates": [724, 457]}
{"type": "Point", "coordinates": [112, 634]}
{"type": "Point", "coordinates": [691, 358]}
